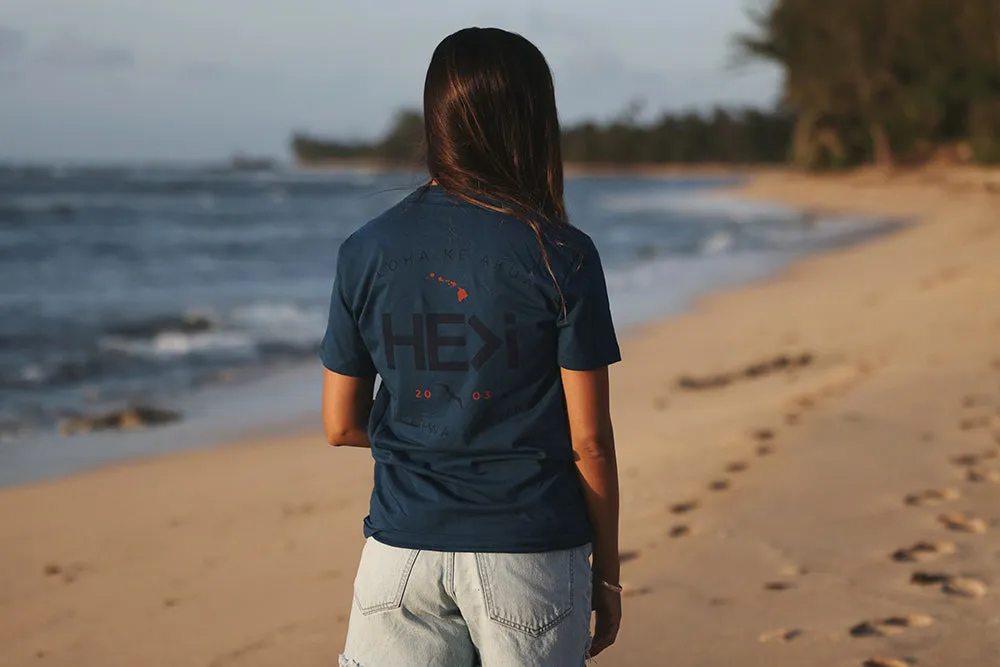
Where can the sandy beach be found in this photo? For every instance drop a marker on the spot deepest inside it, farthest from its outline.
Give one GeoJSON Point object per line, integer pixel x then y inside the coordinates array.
{"type": "Point", "coordinates": [822, 489]}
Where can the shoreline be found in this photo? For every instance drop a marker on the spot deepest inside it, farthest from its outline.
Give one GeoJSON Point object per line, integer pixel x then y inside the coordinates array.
{"type": "Point", "coordinates": [202, 429]}
{"type": "Point", "coordinates": [758, 518]}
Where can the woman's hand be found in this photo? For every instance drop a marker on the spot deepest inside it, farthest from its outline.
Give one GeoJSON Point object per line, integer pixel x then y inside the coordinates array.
{"type": "Point", "coordinates": [607, 606]}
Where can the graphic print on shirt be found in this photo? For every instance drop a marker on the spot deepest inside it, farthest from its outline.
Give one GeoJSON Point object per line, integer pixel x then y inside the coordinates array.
{"type": "Point", "coordinates": [462, 294]}
{"type": "Point", "coordinates": [450, 342]}
{"type": "Point", "coordinates": [452, 396]}
{"type": "Point", "coordinates": [428, 334]}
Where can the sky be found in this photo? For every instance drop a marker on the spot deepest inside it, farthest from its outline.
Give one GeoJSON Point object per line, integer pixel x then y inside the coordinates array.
{"type": "Point", "coordinates": [194, 80]}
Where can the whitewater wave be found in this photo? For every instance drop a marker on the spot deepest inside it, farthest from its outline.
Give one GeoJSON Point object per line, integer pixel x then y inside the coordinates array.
{"type": "Point", "coordinates": [698, 205]}
{"type": "Point", "coordinates": [174, 344]}
{"type": "Point", "coordinates": [255, 330]}
{"type": "Point", "coordinates": [188, 322]}
{"type": "Point", "coordinates": [717, 243]}
{"type": "Point", "coordinates": [281, 322]}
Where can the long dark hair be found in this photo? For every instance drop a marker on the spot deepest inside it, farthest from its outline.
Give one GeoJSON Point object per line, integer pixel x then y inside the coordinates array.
{"type": "Point", "coordinates": [492, 128]}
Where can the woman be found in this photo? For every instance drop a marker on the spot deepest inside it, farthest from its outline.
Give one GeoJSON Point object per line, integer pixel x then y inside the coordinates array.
{"type": "Point", "coordinates": [485, 313]}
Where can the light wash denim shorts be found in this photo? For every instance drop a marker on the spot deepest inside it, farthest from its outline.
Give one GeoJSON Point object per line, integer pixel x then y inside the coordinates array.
{"type": "Point", "coordinates": [416, 608]}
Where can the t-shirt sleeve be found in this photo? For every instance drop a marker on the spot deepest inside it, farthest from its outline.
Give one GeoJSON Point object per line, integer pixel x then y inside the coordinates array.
{"type": "Point", "coordinates": [343, 349]}
{"type": "Point", "coordinates": [587, 339]}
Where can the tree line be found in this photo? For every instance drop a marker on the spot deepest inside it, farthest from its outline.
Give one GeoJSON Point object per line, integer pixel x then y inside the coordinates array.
{"type": "Point", "coordinates": [885, 81]}
{"type": "Point", "coordinates": [731, 136]}
{"type": "Point", "coordinates": [865, 81]}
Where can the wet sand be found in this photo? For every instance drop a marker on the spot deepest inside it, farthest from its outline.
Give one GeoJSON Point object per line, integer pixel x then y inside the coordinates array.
{"type": "Point", "coordinates": [810, 466]}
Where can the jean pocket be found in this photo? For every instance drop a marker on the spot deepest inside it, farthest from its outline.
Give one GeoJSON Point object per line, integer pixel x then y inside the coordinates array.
{"type": "Point", "coordinates": [528, 592]}
{"type": "Point", "coordinates": [382, 577]}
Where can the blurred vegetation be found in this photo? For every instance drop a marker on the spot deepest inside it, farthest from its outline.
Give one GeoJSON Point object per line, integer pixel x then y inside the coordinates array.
{"type": "Point", "coordinates": [882, 81]}
{"type": "Point", "coordinates": [885, 81]}
{"type": "Point", "coordinates": [402, 144]}
{"type": "Point", "coordinates": [722, 136]}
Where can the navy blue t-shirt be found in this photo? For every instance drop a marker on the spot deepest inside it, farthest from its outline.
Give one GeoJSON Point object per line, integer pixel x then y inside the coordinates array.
{"type": "Point", "coordinates": [453, 306]}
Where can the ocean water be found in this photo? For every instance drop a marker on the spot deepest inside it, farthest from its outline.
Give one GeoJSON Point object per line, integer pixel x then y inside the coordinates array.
{"type": "Point", "coordinates": [151, 285]}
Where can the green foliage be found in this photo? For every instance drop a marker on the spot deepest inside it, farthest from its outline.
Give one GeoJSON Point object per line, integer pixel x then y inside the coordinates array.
{"type": "Point", "coordinates": [986, 151]}
{"type": "Point", "coordinates": [402, 144]}
{"type": "Point", "coordinates": [915, 74]}
{"type": "Point", "coordinates": [722, 136]}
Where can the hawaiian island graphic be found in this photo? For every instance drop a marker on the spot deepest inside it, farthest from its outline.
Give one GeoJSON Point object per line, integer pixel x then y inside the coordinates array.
{"type": "Point", "coordinates": [462, 294]}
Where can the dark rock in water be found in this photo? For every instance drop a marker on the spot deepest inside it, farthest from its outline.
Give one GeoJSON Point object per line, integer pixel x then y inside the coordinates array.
{"type": "Point", "coordinates": [63, 210]}
{"type": "Point", "coordinates": [645, 252]}
{"type": "Point", "coordinates": [120, 420]}
{"type": "Point", "coordinates": [9, 430]}
{"type": "Point", "coordinates": [187, 323]}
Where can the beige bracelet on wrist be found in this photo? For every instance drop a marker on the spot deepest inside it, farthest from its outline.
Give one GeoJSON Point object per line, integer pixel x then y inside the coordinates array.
{"type": "Point", "coordinates": [611, 587]}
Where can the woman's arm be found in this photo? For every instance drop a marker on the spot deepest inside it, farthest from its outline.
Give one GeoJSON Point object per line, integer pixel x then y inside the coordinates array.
{"type": "Point", "coordinates": [588, 404]}
{"type": "Point", "coordinates": [347, 403]}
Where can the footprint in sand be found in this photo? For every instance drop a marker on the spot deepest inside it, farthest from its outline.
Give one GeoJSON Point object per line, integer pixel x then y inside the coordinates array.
{"type": "Point", "coordinates": [737, 467]}
{"type": "Point", "coordinates": [765, 450]}
{"type": "Point", "coordinates": [722, 484]}
{"type": "Point", "coordinates": [68, 573]}
{"type": "Point", "coordinates": [932, 497]}
{"type": "Point", "coordinates": [891, 626]}
{"type": "Point", "coordinates": [887, 662]}
{"type": "Point", "coordinates": [921, 578]}
{"type": "Point", "coordinates": [976, 400]}
{"type": "Point", "coordinates": [685, 507]}
{"type": "Point", "coordinates": [975, 423]}
{"type": "Point", "coordinates": [680, 530]}
{"type": "Point", "coordinates": [626, 556]}
{"type": "Point", "coordinates": [962, 523]}
{"type": "Point", "coordinates": [805, 402]}
{"type": "Point", "coordinates": [923, 551]}
{"type": "Point", "coordinates": [763, 435]}
{"type": "Point", "coordinates": [983, 476]}
{"type": "Point", "coordinates": [636, 592]}
{"type": "Point", "coordinates": [780, 635]}
{"type": "Point", "coordinates": [778, 586]}
{"type": "Point", "coordinates": [965, 587]}
{"type": "Point", "coordinates": [952, 585]}
{"type": "Point", "coordinates": [966, 460]}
